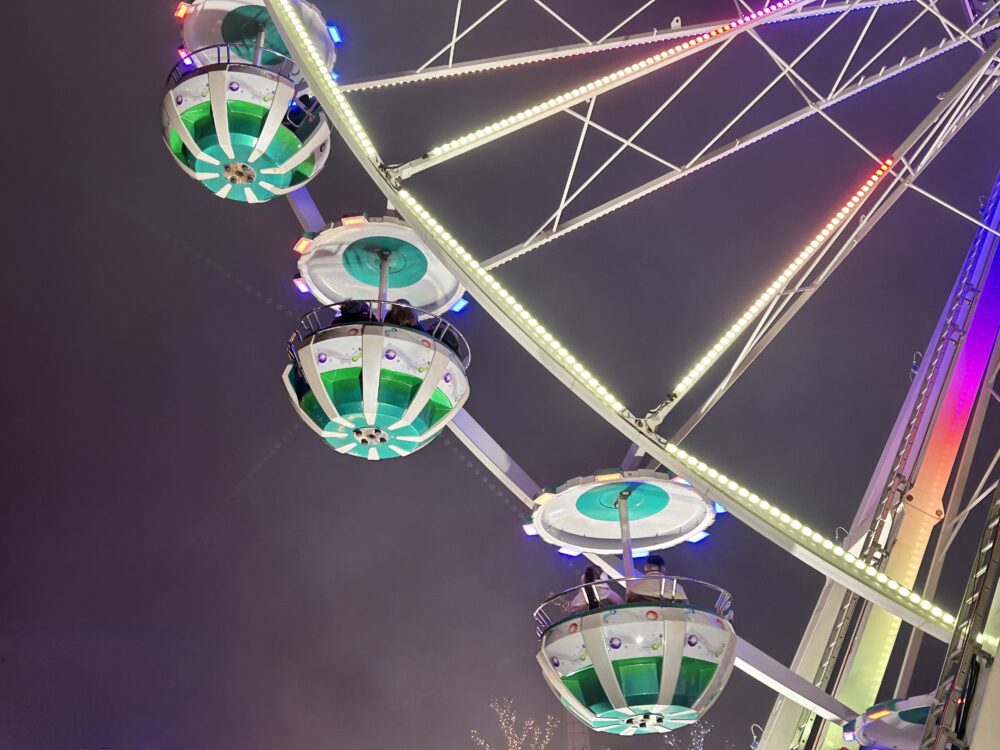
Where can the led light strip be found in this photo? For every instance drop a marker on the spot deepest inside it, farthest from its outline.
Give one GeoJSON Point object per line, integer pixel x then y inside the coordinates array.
{"type": "Point", "coordinates": [440, 72]}
{"type": "Point", "coordinates": [824, 549]}
{"type": "Point", "coordinates": [327, 79]}
{"type": "Point", "coordinates": [754, 311]}
{"type": "Point", "coordinates": [587, 90]}
{"type": "Point", "coordinates": [813, 540]}
{"type": "Point", "coordinates": [518, 312]}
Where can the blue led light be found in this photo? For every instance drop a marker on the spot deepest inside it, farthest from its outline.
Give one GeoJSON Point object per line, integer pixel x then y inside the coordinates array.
{"type": "Point", "coordinates": [720, 509]}
{"type": "Point", "coordinates": [335, 75]}
{"type": "Point", "coordinates": [698, 537]}
{"type": "Point", "coordinates": [530, 530]}
{"type": "Point", "coordinates": [460, 305]}
{"type": "Point", "coordinates": [570, 552]}
{"type": "Point", "coordinates": [334, 33]}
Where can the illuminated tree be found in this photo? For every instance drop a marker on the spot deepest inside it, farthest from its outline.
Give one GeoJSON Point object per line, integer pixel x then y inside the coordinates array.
{"type": "Point", "coordinates": [694, 738]}
{"type": "Point", "coordinates": [518, 734]}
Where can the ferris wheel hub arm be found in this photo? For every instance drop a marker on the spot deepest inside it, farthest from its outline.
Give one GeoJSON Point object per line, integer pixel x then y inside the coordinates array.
{"type": "Point", "coordinates": [775, 675]}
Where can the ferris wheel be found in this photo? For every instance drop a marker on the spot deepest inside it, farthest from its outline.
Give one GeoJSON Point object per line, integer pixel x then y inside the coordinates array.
{"type": "Point", "coordinates": [252, 111]}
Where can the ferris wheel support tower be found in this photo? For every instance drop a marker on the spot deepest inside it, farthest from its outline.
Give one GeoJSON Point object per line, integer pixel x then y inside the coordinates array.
{"type": "Point", "coordinates": [919, 482]}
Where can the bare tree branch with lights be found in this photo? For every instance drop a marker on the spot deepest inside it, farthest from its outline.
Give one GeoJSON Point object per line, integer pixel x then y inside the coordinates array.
{"type": "Point", "coordinates": [694, 738]}
{"type": "Point", "coordinates": [518, 734]}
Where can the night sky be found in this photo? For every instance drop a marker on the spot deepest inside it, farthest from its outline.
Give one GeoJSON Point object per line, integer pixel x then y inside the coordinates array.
{"type": "Point", "coordinates": [184, 565]}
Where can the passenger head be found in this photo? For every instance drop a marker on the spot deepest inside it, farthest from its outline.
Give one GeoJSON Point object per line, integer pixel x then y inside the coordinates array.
{"type": "Point", "coordinates": [653, 564]}
{"type": "Point", "coordinates": [354, 307]}
{"type": "Point", "coordinates": [592, 573]}
{"type": "Point", "coordinates": [401, 314]}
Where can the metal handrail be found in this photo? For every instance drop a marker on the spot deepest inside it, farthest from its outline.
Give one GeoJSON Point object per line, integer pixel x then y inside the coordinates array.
{"type": "Point", "coordinates": [327, 317]}
{"type": "Point", "coordinates": [302, 111]}
{"type": "Point", "coordinates": [557, 608]}
{"type": "Point", "coordinates": [232, 54]}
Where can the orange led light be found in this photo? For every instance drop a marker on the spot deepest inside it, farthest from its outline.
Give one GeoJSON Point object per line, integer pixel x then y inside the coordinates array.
{"type": "Point", "coordinates": [881, 713]}
{"type": "Point", "coordinates": [182, 10]}
{"type": "Point", "coordinates": [302, 246]}
{"type": "Point", "coordinates": [353, 221]}
{"type": "Point", "coordinates": [608, 477]}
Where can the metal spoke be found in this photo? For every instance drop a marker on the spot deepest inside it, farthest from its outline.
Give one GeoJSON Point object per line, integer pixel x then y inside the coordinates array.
{"type": "Point", "coordinates": [454, 33]}
{"type": "Point", "coordinates": [774, 82]}
{"type": "Point", "coordinates": [612, 80]}
{"type": "Point", "coordinates": [563, 21]}
{"type": "Point", "coordinates": [622, 139]}
{"type": "Point", "coordinates": [425, 73]}
{"type": "Point", "coordinates": [854, 50]}
{"type": "Point", "coordinates": [628, 18]}
{"type": "Point", "coordinates": [499, 259]}
{"type": "Point", "coordinates": [886, 46]}
{"type": "Point", "coordinates": [456, 39]}
{"type": "Point", "coordinates": [576, 158]}
{"type": "Point", "coordinates": [610, 206]}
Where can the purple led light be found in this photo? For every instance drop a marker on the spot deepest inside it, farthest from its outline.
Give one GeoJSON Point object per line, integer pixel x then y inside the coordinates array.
{"type": "Point", "coordinates": [390, 354]}
{"type": "Point", "coordinates": [615, 643]}
{"type": "Point", "coordinates": [321, 358]}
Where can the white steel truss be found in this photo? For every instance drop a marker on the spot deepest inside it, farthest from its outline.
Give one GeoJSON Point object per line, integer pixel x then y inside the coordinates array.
{"type": "Point", "coordinates": [855, 84]}
{"type": "Point", "coordinates": [425, 73]}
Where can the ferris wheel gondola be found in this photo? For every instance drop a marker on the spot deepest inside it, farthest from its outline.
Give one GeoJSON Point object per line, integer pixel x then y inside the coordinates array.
{"type": "Point", "coordinates": [625, 664]}
{"type": "Point", "coordinates": [376, 375]}
{"type": "Point", "coordinates": [237, 116]}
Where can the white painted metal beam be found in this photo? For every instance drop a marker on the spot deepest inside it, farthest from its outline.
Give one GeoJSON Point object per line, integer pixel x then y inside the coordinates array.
{"type": "Point", "coordinates": [775, 675]}
{"type": "Point", "coordinates": [810, 10]}
{"type": "Point", "coordinates": [723, 152]}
